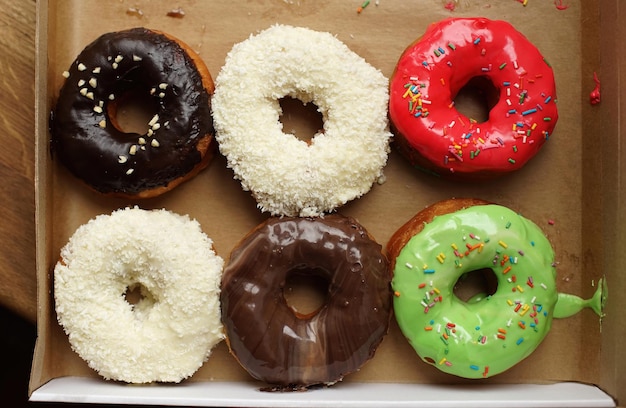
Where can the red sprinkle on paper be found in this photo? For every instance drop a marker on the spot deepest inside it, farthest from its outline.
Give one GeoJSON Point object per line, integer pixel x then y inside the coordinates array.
{"type": "Point", "coordinates": [450, 5]}
{"type": "Point", "coordinates": [560, 6]}
{"type": "Point", "coordinates": [594, 96]}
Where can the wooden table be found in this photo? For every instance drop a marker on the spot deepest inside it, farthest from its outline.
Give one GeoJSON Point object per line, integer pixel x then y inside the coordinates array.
{"type": "Point", "coordinates": [18, 286]}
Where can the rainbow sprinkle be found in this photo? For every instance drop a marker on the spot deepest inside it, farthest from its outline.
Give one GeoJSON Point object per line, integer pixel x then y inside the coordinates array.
{"type": "Point", "coordinates": [359, 9]}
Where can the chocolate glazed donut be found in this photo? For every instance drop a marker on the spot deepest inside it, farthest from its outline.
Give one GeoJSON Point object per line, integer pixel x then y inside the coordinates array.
{"type": "Point", "coordinates": [288, 350]}
{"type": "Point", "coordinates": [160, 71]}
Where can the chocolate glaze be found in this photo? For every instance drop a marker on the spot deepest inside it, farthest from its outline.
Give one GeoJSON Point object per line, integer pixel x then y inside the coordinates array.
{"type": "Point", "coordinates": [91, 152]}
{"type": "Point", "coordinates": [275, 344]}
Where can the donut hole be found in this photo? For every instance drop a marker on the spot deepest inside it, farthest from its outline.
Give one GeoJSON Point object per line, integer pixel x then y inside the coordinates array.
{"type": "Point", "coordinates": [303, 120]}
{"type": "Point", "coordinates": [138, 296]}
{"type": "Point", "coordinates": [476, 98]}
{"type": "Point", "coordinates": [306, 291]}
{"type": "Point", "coordinates": [131, 111]}
{"type": "Point", "coordinates": [473, 286]}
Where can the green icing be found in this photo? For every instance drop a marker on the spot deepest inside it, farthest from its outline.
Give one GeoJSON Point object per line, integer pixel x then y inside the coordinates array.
{"type": "Point", "coordinates": [487, 334]}
{"type": "Point", "coordinates": [568, 305]}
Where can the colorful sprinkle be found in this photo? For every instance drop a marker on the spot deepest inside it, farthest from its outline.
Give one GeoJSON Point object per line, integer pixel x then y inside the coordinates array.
{"type": "Point", "coordinates": [362, 6]}
{"type": "Point", "coordinates": [450, 5]}
{"type": "Point", "coordinates": [560, 6]}
{"type": "Point", "coordinates": [529, 111]}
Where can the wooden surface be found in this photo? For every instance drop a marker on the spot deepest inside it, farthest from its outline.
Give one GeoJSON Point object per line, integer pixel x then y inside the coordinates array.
{"type": "Point", "coordinates": [17, 157]}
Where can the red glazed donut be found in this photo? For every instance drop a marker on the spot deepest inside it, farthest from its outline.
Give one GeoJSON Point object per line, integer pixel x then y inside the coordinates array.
{"type": "Point", "coordinates": [435, 136]}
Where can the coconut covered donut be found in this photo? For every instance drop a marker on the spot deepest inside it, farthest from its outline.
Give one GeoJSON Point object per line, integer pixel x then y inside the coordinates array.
{"type": "Point", "coordinates": [288, 176]}
{"type": "Point", "coordinates": [167, 334]}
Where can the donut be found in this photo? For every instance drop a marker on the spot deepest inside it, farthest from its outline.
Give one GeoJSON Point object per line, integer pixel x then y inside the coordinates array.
{"type": "Point", "coordinates": [162, 73]}
{"type": "Point", "coordinates": [487, 333]}
{"type": "Point", "coordinates": [288, 176]}
{"type": "Point", "coordinates": [504, 67]}
{"type": "Point", "coordinates": [138, 305]}
{"type": "Point", "coordinates": [283, 347]}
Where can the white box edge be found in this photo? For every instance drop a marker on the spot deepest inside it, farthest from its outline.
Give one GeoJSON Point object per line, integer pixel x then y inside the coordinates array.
{"type": "Point", "coordinates": [235, 394]}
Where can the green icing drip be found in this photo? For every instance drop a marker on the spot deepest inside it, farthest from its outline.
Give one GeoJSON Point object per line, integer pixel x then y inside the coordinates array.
{"type": "Point", "coordinates": [568, 305]}
{"type": "Point", "coordinates": [487, 334]}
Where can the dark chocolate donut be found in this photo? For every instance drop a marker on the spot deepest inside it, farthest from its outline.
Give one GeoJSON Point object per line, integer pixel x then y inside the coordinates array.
{"type": "Point", "coordinates": [282, 347]}
{"type": "Point", "coordinates": [165, 73]}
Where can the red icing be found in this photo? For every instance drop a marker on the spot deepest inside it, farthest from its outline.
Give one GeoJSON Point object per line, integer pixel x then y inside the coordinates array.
{"type": "Point", "coordinates": [594, 96]}
{"type": "Point", "coordinates": [560, 6]}
{"type": "Point", "coordinates": [443, 61]}
{"type": "Point", "coordinates": [450, 5]}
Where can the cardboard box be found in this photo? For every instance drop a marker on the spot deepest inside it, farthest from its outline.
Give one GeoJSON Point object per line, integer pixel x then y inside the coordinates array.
{"type": "Point", "coordinates": [575, 181]}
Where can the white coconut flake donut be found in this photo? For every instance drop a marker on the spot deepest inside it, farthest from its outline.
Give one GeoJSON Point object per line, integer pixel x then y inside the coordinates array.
{"type": "Point", "coordinates": [168, 334]}
{"type": "Point", "coordinates": [288, 176]}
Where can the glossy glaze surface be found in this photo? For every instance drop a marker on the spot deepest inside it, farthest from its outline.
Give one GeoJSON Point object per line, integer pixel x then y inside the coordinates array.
{"type": "Point", "coordinates": [488, 334]}
{"type": "Point", "coordinates": [276, 344]}
{"type": "Point", "coordinates": [434, 135]}
{"type": "Point", "coordinates": [85, 135]}
{"type": "Point", "coordinates": [492, 330]}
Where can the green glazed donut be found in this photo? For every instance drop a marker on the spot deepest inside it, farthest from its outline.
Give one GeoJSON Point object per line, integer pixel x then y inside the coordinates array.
{"type": "Point", "coordinates": [490, 332]}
